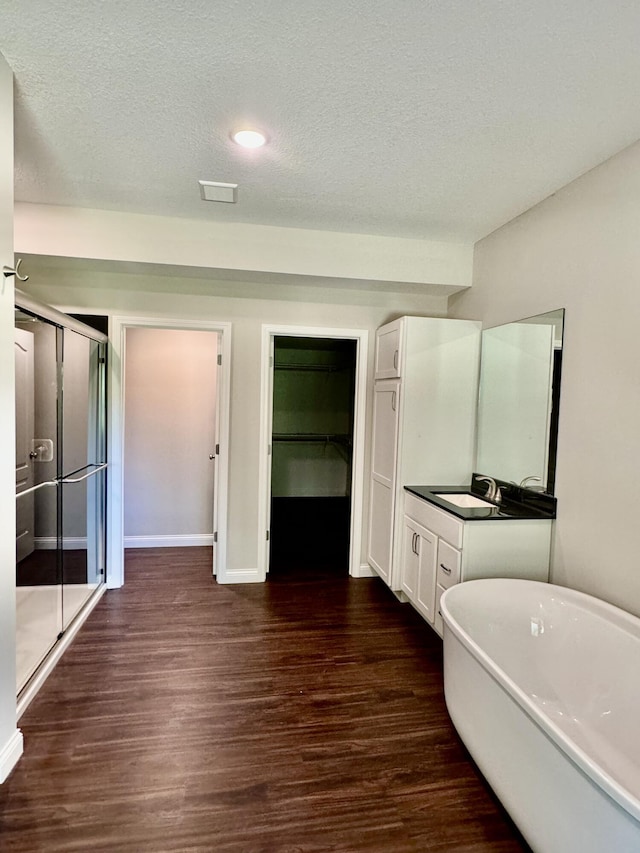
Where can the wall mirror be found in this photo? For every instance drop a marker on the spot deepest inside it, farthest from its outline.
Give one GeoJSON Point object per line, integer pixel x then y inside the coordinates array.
{"type": "Point", "coordinates": [518, 401]}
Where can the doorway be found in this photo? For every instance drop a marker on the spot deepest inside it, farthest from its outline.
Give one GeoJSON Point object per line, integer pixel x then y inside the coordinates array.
{"type": "Point", "coordinates": [311, 454]}
{"type": "Point", "coordinates": [120, 326]}
{"type": "Point", "coordinates": [170, 437]}
{"type": "Point", "coordinates": [313, 404]}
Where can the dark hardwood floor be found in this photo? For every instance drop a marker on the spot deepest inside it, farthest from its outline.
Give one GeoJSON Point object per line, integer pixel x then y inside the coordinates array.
{"type": "Point", "coordinates": [297, 716]}
{"type": "Point", "coordinates": [50, 567]}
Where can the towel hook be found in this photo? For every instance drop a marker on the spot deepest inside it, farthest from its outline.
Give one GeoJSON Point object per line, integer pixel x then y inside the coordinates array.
{"type": "Point", "coordinates": [7, 271]}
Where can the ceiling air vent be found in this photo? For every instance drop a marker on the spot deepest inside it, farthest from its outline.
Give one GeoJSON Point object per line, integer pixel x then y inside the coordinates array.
{"type": "Point", "coordinates": [215, 191]}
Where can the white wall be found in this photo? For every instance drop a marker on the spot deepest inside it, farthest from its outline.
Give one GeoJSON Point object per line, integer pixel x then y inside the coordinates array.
{"type": "Point", "coordinates": [161, 296]}
{"type": "Point", "coordinates": [170, 396]}
{"type": "Point", "coordinates": [580, 249]}
{"type": "Point", "coordinates": [10, 738]}
{"type": "Point", "coordinates": [242, 251]}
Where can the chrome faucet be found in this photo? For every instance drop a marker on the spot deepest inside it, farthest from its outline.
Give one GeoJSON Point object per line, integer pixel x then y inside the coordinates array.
{"type": "Point", "coordinates": [493, 492]}
{"type": "Point", "coordinates": [524, 482]}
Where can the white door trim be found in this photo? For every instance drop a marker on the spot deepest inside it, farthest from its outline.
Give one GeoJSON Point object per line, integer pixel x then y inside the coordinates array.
{"type": "Point", "coordinates": [115, 488]}
{"type": "Point", "coordinates": [361, 337]}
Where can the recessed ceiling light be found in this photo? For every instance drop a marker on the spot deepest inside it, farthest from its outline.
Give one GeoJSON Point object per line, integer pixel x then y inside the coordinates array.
{"type": "Point", "coordinates": [249, 138]}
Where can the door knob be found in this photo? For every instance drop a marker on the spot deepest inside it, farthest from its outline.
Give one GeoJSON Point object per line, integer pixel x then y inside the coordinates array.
{"type": "Point", "coordinates": [212, 456]}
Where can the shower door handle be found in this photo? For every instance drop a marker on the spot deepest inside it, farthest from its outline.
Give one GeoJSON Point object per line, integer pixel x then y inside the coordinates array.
{"type": "Point", "coordinates": [35, 488]}
{"type": "Point", "coordinates": [96, 470]}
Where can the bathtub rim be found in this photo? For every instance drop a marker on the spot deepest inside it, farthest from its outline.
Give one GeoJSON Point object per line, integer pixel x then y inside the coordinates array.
{"type": "Point", "coordinates": [574, 753]}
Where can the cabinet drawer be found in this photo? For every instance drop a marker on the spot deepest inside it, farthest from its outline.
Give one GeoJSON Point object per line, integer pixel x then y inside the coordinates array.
{"type": "Point", "coordinates": [449, 560]}
{"type": "Point", "coordinates": [441, 523]}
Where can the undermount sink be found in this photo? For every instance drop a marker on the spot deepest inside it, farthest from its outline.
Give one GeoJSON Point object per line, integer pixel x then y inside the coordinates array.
{"type": "Point", "coordinates": [464, 499]}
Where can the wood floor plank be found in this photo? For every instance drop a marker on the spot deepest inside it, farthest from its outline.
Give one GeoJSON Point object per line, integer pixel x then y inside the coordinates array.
{"type": "Point", "coordinates": [297, 716]}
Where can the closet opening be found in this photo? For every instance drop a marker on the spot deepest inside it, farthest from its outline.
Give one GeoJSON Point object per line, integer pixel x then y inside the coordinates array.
{"type": "Point", "coordinates": [171, 443]}
{"type": "Point", "coordinates": [312, 440]}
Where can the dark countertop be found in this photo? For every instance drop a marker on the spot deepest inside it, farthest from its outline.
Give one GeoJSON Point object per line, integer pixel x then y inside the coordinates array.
{"type": "Point", "coordinates": [517, 503]}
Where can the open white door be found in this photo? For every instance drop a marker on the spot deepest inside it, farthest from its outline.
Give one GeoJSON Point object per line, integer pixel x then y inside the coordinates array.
{"type": "Point", "coordinates": [215, 455]}
{"type": "Point", "coordinates": [25, 405]}
{"type": "Point", "coordinates": [269, 417]}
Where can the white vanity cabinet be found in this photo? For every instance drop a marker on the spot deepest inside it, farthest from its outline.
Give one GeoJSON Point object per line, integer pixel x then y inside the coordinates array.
{"type": "Point", "coordinates": [425, 395]}
{"type": "Point", "coordinates": [459, 551]}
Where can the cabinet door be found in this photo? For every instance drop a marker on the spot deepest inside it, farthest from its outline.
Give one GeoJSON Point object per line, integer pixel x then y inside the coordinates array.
{"type": "Point", "coordinates": [388, 355]}
{"type": "Point", "coordinates": [419, 549]}
{"type": "Point", "coordinates": [410, 560]}
{"type": "Point", "coordinates": [383, 476]}
{"type": "Point", "coordinates": [427, 547]}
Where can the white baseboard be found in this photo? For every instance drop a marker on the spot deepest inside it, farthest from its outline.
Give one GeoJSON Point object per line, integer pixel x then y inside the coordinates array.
{"type": "Point", "coordinates": [364, 571]}
{"type": "Point", "coordinates": [10, 753]}
{"type": "Point", "coordinates": [56, 653]}
{"type": "Point", "coordinates": [241, 576]}
{"type": "Point", "coordinates": [69, 543]}
{"type": "Point", "coordinates": [192, 540]}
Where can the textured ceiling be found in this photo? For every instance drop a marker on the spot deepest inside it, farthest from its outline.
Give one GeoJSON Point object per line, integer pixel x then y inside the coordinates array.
{"type": "Point", "coordinates": [420, 118]}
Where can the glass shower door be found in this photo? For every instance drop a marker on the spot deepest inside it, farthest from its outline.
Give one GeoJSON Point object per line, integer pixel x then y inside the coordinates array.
{"type": "Point", "coordinates": [38, 556]}
{"type": "Point", "coordinates": [60, 476]}
{"type": "Point", "coordinates": [84, 471]}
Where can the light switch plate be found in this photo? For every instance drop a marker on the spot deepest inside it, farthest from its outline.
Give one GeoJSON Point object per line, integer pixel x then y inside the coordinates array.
{"type": "Point", "coordinates": [42, 448]}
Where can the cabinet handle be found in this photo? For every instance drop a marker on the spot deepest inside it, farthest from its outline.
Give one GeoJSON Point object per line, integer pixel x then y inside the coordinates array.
{"type": "Point", "coordinates": [445, 569]}
{"type": "Point", "coordinates": [395, 360]}
{"type": "Point", "coordinates": [413, 543]}
{"type": "Point", "coordinates": [417, 545]}
{"type": "Point", "coordinates": [393, 400]}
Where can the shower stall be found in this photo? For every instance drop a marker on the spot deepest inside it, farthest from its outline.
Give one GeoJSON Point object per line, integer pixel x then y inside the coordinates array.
{"type": "Point", "coordinates": [60, 477]}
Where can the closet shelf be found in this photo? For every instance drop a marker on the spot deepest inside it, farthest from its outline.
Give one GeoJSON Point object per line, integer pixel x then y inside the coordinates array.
{"type": "Point", "coordinates": [313, 437]}
{"type": "Point", "coordinates": [318, 368]}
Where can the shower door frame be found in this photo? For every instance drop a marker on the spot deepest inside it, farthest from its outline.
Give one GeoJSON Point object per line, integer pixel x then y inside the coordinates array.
{"type": "Point", "coordinates": [62, 320]}
{"type": "Point", "coordinates": [118, 326]}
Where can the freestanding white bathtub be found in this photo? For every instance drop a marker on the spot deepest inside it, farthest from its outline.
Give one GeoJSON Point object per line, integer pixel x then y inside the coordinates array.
{"type": "Point", "coordinates": [543, 685]}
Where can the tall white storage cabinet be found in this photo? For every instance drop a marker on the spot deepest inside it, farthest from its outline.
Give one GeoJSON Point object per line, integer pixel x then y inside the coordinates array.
{"type": "Point", "coordinates": [424, 415]}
